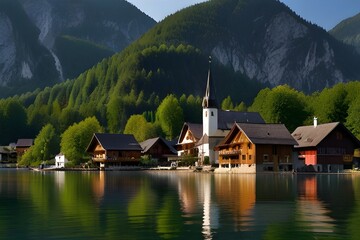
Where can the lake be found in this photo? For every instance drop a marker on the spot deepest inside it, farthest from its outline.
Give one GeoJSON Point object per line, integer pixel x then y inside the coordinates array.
{"type": "Point", "coordinates": [177, 205]}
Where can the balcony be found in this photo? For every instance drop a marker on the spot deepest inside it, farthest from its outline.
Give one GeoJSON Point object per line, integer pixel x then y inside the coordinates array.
{"type": "Point", "coordinates": [229, 152]}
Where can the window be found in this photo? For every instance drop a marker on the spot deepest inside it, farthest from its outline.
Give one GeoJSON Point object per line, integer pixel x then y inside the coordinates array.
{"type": "Point", "coordinates": [249, 157]}
{"type": "Point", "coordinates": [243, 157]}
{"type": "Point", "coordinates": [212, 113]}
{"type": "Point", "coordinates": [266, 157]}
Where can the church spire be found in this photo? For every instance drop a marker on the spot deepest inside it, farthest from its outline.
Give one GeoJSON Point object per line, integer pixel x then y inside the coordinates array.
{"type": "Point", "coordinates": [209, 100]}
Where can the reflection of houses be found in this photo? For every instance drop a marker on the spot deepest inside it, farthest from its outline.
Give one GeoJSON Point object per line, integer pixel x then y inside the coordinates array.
{"type": "Point", "coordinates": [310, 209]}
{"type": "Point", "coordinates": [158, 148]}
{"type": "Point", "coordinates": [23, 145]}
{"type": "Point", "coordinates": [257, 147]}
{"type": "Point", "coordinates": [328, 147]}
{"type": "Point", "coordinates": [114, 149]}
{"type": "Point", "coordinates": [216, 125]}
{"type": "Point", "coordinates": [238, 193]}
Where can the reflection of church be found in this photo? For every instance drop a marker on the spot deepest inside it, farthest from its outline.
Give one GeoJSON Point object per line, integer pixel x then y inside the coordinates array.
{"type": "Point", "coordinates": [199, 140]}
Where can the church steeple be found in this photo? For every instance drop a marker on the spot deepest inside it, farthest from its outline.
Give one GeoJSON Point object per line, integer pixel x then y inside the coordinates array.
{"type": "Point", "coordinates": [209, 100]}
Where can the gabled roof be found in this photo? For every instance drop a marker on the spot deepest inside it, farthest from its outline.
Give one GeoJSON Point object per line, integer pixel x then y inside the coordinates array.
{"type": "Point", "coordinates": [310, 136]}
{"type": "Point", "coordinates": [24, 142]}
{"type": "Point", "coordinates": [267, 133]}
{"type": "Point", "coordinates": [147, 144]}
{"type": "Point", "coordinates": [274, 134]}
{"type": "Point", "coordinates": [227, 118]}
{"type": "Point", "coordinates": [195, 128]}
{"type": "Point", "coordinates": [114, 142]}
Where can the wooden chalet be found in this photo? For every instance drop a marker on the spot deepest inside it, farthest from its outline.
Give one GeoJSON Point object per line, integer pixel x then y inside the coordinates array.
{"type": "Point", "coordinates": [190, 134]}
{"type": "Point", "coordinates": [257, 147]}
{"type": "Point", "coordinates": [114, 150]}
{"type": "Point", "coordinates": [327, 147]}
{"type": "Point", "coordinates": [23, 145]}
{"type": "Point", "coordinates": [158, 148]}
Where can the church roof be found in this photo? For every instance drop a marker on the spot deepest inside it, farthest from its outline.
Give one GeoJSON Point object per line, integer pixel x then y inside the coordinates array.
{"type": "Point", "coordinates": [227, 118]}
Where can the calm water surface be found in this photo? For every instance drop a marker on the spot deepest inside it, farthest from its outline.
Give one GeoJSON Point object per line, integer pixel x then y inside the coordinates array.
{"type": "Point", "coordinates": [177, 205]}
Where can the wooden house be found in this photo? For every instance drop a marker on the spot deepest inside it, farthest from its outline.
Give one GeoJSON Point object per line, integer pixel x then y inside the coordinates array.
{"type": "Point", "coordinates": [158, 148]}
{"type": "Point", "coordinates": [190, 134]}
{"type": "Point", "coordinates": [111, 150]}
{"type": "Point", "coordinates": [23, 145]}
{"type": "Point", "coordinates": [257, 147]}
{"type": "Point", "coordinates": [327, 147]}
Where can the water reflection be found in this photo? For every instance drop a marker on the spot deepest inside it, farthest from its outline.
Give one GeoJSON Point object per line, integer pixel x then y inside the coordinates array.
{"type": "Point", "coordinates": [178, 205]}
{"type": "Point", "coordinates": [312, 213]}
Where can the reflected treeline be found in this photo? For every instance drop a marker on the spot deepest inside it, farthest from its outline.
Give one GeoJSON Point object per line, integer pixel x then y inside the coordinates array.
{"type": "Point", "coordinates": [178, 205]}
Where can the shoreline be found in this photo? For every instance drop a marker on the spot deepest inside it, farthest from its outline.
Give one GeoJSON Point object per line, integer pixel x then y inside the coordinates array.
{"type": "Point", "coordinates": [205, 169]}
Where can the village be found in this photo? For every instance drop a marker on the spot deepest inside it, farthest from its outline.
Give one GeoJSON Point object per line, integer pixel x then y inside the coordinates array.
{"type": "Point", "coordinates": [226, 141]}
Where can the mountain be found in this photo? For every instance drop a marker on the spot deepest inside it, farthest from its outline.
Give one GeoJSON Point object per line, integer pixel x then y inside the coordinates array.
{"type": "Point", "coordinates": [47, 41]}
{"type": "Point", "coordinates": [348, 31]}
{"type": "Point", "coordinates": [262, 39]}
{"type": "Point", "coordinates": [254, 44]}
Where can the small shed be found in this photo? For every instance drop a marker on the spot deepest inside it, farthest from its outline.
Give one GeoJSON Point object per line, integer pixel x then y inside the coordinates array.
{"type": "Point", "coordinates": [60, 160]}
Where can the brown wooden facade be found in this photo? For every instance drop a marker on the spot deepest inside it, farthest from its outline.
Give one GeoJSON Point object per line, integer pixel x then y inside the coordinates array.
{"type": "Point", "coordinates": [22, 146]}
{"type": "Point", "coordinates": [239, 149]}
{"type": "Point", "coordinates": [114, 150]}
{"type": "Point", "coordinates": [115, 156]}
{"type": "Point", "coordinates": [158, 149]}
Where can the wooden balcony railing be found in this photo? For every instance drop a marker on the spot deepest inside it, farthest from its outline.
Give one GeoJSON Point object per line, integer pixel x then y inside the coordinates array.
{"type": "Point", "coordinates": [229, 152]}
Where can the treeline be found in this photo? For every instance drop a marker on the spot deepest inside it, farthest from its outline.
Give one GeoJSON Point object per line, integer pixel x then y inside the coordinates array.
{"type": "Point", "coordinates": [281, 104]}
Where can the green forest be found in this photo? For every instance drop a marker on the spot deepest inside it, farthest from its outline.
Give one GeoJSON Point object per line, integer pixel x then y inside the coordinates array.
{"type": "Point", "coordinates": [69, 130]}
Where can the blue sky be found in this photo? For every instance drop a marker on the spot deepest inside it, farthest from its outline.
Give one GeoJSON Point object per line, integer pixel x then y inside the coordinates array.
{"type": "Point", "coordinates": [325, 13]}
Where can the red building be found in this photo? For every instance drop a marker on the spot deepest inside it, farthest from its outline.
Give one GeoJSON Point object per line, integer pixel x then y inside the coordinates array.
{"type": "Point", "coordinates": [327, 147]}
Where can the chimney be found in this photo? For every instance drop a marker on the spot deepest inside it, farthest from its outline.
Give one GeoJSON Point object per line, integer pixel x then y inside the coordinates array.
{"type": "Point", "coordinates": [315, 122]}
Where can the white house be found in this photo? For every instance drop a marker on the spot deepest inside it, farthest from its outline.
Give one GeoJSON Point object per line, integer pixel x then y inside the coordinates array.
{"type": "Point", "coordinates": [60, 160]}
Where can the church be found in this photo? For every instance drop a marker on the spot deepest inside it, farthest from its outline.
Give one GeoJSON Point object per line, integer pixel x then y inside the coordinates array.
{"type": "Point", "coordinates": [199, 140]}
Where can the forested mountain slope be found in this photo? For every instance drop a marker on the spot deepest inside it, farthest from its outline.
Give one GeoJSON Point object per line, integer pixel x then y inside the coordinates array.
{"type": "Point", "coordinates": [262, 39]}
{"type": "Point", "coordinates": [254, 43]}
{"type": "Point", "coordinates": [348, 31]}
{"type": "Point", "coordinates": [46, 41]}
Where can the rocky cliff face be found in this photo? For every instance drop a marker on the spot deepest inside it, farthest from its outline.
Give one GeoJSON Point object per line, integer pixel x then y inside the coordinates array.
{"type": "Point", "coordinates": [109, 24]}
{"type": "Point", "coordinates": [287, 54]}
{"type": "Point", "coordinates": [264, 40]}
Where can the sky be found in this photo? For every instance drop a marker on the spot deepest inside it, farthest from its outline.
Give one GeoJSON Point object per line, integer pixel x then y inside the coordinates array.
{"type": "Point", "coordinates": [325, 13]}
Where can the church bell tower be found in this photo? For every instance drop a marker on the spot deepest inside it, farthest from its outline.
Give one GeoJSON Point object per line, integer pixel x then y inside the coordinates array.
{"type": "Point", "coordinates": [210, 107]}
